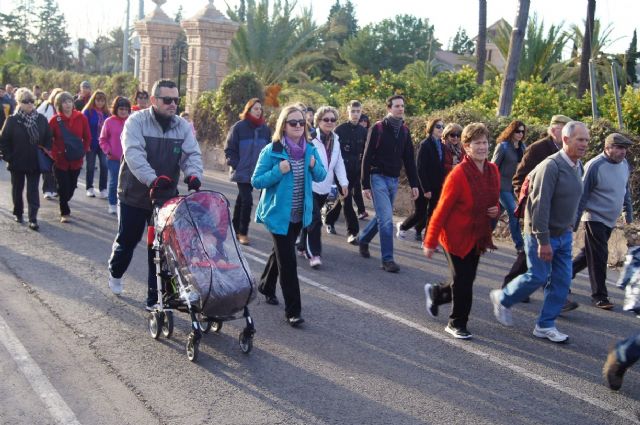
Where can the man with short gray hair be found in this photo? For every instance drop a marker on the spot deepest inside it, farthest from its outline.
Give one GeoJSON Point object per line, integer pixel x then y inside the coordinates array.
{"type": "Point", "coordinates": [83, 96]}
{"type": "Point", "coordinates": [556, 188]}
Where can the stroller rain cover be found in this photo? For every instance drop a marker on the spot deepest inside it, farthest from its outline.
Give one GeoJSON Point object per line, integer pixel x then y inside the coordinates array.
{"type": "Point", "coordinates": [198, 242]}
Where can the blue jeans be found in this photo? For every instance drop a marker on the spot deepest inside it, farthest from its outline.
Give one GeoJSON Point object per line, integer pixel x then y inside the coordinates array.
{"type": "Point", "coordinates": [555, 276]}
{"type": "Point", "coordinates": [383, 191]}
{"type": "Point", "coordinates": [508, 203]}
{"type": "Point", "coordinates": [628, 351]}
{"type": "Point", "coordinates": [114, 168]}
{"type": "Point", "coordinates": [91, 168]}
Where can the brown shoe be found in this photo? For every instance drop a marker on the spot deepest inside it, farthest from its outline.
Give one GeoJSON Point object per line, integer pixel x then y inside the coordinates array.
{"type": "Point", "coordinates": [243, 239]}
{"type": "Point", "coordinates": [613, 371]}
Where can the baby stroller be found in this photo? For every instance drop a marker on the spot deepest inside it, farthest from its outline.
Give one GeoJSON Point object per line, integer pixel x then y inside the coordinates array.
{"type": "Point", "coordinates": [200, 269]}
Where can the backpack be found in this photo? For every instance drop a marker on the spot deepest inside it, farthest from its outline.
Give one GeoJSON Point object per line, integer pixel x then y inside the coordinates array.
{"type": "Point", "coordinates": [380, 129]}
{"type": "Point", "coordinates": [523, 197]}
{"type": "Point", "coordinates": [73, 146]}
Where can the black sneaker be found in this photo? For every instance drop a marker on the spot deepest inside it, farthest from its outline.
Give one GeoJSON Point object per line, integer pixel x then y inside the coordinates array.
{"type": "Point", "coordinates": [604, 304]}
{"type": "Point", "coordinates": [430, 291]}
{"type": "Point", "coordinates": [34, 226]}
{"type": "Point", "coordinates": [364, 249]}
{"type": "Point", "coordinates": [271, 299]}
{"type": "Point", "coordinates": [419, 236]}
{"type": "Point", "coordinates": [569, 305]}
{"type": "Point", "coordinates": [331, 229]}
{"type": "Point", "coordinates": [295, 321]}
{"type": "Point", "coordinates": [18, 219]}
{"type": "Point", "coordinates": [390, 266]}
{"type": "Point", "coordinates": [459, 333]}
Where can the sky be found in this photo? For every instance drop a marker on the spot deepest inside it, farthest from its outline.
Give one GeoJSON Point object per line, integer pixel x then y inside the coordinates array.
{"type": "Point", "coordinates": [90, 18]}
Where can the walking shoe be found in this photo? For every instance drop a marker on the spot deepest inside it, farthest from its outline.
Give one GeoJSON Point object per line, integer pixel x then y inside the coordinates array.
{"type": "Point", "coordinates": [401, 234]}
{"type": "Point", "coordinates": [295, 321]}
{"type": "Point", "coordinates": [363, 215]}
{"type": "Point", "coordinates": [502, 313]}
{"type": "Point", "coordinates": [364, 249]}
{"type": "Point", "coordinates": [552, 334]}
{"type": "Point", "coordinates": [48, 195]}
{"type": "Point", "coordinates": [115, 284]}
{"type": "Point", "coordinates": [315, 262]}
{"type": "Point", "coordinates": [331, 229]}
{"type": "Point", "coordinates": [103, 194]}
{"type": "Point", "coordinates": [33, 225]}
{"type": "Point", "coordinates": [459, 333]}
{"type": "Point", "coordinates": [569, 305]}
{"type": "Point", "coordinates": [352, 239]}
{"type": "Point", "coordinates": [112, 209]}
{"type": "Point", "coordinates": [301, 253]}
{"type": "Point", "coordinates": [91, 193]}
{"type": "Point", "coordinates": [271, 299]}
{"type": "Point", "coordinates": [65, 219]}
{"type": "Point", "coordinates": [390, 266]}
{"type": "Point", "coordinates": [243, 239]}
{"type": "Point", "coordinates": [54, 194]}
{"type": "Point", "coordinates": [18, 219]}
{"type": "Point", "coordinates": [604, 304]}
{"type": "Point", "coordinates": [430, 291]}
{"type": "Point", "coordinates": [419, 237]}
{"type": "Point", "coordinates": [613, 371]}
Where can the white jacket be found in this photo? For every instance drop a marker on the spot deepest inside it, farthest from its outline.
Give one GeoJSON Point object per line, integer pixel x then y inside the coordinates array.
{"type": "Point", "coordinates": [336, 167]}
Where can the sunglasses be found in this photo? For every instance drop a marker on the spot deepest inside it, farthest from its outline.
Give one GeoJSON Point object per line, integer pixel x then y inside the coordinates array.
{"type": "Point", "coordinates": [27, 101]}
{"type": "Point", "coordinates": [296, 123]}
{"type": "Point", "coordinates": [519, 131]}
{"type": "Point", "coordinates": [142, 97]}
{"type": "Point", "coordinates": [169, 100]}
{"type": "Point", "coordinates": [452, 135]}
{"type": "Point", "coordinates": [439, 126]}
{"type": "Point", "coordinates": [329, 120]}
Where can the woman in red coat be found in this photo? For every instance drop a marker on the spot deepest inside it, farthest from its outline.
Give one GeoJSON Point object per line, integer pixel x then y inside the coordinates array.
{"type": "Point", "coordinates": [461, 223]}
{"type": "Point", "coordinates": [67, 171]}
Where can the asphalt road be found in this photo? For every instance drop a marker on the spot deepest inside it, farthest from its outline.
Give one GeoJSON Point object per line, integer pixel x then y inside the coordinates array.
{"type": "Point", "coordinates": [71, 352]}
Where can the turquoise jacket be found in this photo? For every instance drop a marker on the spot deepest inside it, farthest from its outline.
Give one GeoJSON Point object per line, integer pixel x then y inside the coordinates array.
{"type": "Point", "coordinates": [274, 207]}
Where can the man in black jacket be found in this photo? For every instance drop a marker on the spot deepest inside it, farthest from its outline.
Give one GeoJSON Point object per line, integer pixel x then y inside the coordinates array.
{"type": "Point", "coordinates": [389, 148]}
{"type": "Point", "coordinates": [352, 137]}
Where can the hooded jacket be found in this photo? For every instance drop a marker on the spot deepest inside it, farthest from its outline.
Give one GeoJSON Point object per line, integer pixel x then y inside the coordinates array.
{"type": "Point", "coordinates": [77, 124]}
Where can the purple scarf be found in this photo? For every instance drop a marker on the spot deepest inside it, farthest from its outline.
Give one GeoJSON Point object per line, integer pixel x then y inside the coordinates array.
{"type": "Point", "coordinates": [296, 150]}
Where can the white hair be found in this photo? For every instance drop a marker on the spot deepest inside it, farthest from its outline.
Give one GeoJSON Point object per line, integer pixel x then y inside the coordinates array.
{"type": "Point", "coordinates": [570, 127]}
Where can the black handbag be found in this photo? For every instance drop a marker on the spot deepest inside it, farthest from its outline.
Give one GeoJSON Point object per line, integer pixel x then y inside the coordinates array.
{"type": "Point", "coordinates": [73, 146]}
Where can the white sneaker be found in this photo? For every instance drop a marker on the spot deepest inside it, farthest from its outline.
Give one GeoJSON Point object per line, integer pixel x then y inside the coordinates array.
{"type": "Point", "coordinates": [112, 209]}
{"type": "Point", "coordinates": [315, 262]}
{"type": "Point", "coordinates": [91, 193]}
{"type": "Point", "coordinates": [502, 313]}
{"type": "Point", "coordinates": [48, 195]}
{"type": "Point", "coordinates": [54, 194]}
{"type": "Point", "coordinates": [103, 194]}
{"type": "Point", "coordinates": [401, 234]}
{"type": "Point", "coordinates": [115, 285]}
{"type": "Point", "coordinates": [552, 334]}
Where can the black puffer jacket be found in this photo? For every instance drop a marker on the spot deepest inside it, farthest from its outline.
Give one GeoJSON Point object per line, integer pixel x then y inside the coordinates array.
{"type": "Point", "coordinates": [21, 155]}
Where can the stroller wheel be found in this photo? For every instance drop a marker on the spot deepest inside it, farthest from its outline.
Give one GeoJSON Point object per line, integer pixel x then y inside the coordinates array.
{"type": "Point", "coordinates": [205, 324]}
{"type": "Point", "coordinates": [216, 325]}
{"type": "Point", "coordinates": [246, 342]}
{"type": "Point", "coordinates": [155, 324]}
{"type": "Point", "coordinates": [167, 325]}
{"type": "Point", "coordinates": [192, 347]}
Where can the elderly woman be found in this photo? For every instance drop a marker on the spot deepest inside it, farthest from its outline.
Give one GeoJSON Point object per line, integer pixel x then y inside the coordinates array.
{"type": "Point", "coordinates": [48, 109]}
{"type": "Point", "coordinates": [285, 170]}
{"type": "Point", "coordinates": [22, 135]}
{"type": "Point", "coordinates": [453, 152]}
{"type": "Point", "coordinates": [112, 147]}
{"type": "Point", "coordinates": [71, 126]}
{"type": "Point", "coordinates": [461, 223]}
{"type": "Point", "coordinates": [245, 140]}
{"type": "Point", "coordinates": [328, 146]}
{"type": "Point", "coordinates": [141, 100]}
{"type": "Point", "coordinates": [507, 155]}
{"type": "Point", "coordinates": [96, 111]}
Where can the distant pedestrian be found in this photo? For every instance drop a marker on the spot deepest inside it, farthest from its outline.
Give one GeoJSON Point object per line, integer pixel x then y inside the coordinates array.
{"type": "Point", "coordinates": [96, 111]}
{"type": "Point", "coordinates": [357, 191]}
{"type": "Point", "coordinates": [48, 109]}
{"type": "Point", "coordinates": [141, 100]}
{"type": "Point", "coordinates": [453, 150]}
{"type": "Point", "coordinates": [82, 98]}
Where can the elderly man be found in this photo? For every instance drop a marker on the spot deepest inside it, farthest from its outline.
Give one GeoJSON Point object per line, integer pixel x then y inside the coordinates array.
{"type": "Point", "coordinates": [556, 188]}
{"type": "Point", "coordinates": [83, 96]}
{"type": "Point", "coordinates": [606, 191]}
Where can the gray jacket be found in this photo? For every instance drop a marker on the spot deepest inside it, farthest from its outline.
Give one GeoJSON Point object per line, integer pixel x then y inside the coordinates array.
{"type": "Point", "coordinates": [149, 152]}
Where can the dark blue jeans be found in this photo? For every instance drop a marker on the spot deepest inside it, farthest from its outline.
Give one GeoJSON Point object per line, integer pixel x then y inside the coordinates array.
{"type": "Point", "coordinates": [628, 351]}
{"type": "Point", "coordinates": [114, 168]}
{"type": "Point", "coordinates": [91, 168]}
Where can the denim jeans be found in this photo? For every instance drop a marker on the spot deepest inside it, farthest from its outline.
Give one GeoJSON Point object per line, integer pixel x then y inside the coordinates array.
{"type": "Point", "coordinates": [555, 276]}
{"type": "Point", "coordinates": [383, 191]}
{"type": "Point", "coordinates": [508, 203]}
{"type": "Point", "coordinates": [91, 168]}
{"type": "Point", "coordinates": [628, 351]}
{"type": "Point", "coordinates": [114, 168]}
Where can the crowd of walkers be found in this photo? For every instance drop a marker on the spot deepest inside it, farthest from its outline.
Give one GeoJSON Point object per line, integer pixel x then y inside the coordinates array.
{"type": "Point", "coordinates": [458, 192]}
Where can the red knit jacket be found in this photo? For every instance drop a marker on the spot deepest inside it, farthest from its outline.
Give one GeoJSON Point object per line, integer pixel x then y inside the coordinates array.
{"type": "Point", "coordinates": [451, 222]}
{"type": "Point", "coordinates": [77, 124]}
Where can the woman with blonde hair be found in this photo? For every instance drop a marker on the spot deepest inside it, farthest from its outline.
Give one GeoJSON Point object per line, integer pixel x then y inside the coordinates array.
{"type": "Point", "coordinates": [453, 152]}
{"type": "Point", "coordinates": [96, 111]}
{"type": "Point", "coordinates": [284, 172]}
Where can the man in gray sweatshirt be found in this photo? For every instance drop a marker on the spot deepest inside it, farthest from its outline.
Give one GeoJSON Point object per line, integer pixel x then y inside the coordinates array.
{"type": "Point", "coordinates": [606, 191]}
{"type": "Point", "coordinates": [556, 188]}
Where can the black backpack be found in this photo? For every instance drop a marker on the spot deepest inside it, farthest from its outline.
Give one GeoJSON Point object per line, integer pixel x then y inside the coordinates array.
{"type": "Point", "coordinates": [73, 146]}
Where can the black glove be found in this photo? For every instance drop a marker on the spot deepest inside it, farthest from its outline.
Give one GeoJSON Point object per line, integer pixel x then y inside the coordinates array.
{"type": "Point", "coordinates": [160, 186]}
{"type": "Point", "coordinates": [193, 183]}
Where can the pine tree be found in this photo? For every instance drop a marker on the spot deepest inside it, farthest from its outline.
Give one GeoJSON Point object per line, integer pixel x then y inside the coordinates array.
{"type": "Point", "coordinates": [15, 27]}
{"type": "Point", "coordinates": [461, 43]}
{"type": "Point", "coordinates": [52, 40]}
{"type": "Point", "coordinates": [631, 57]}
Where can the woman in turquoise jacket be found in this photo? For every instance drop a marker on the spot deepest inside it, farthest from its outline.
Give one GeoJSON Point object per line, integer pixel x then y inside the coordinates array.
{"type": "Point", "coordinates": [285, 170]}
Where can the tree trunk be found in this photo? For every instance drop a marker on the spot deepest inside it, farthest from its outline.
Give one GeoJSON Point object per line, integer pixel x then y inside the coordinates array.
{"type": "Point", "coordinates": [513, 60]}
{"type": "Point", "coordinates": [481, 46]}
{"type": "Point", "coordinates": [583, 83]}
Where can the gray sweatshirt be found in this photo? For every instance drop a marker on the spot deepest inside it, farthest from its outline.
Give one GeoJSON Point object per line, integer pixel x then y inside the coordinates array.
{"type": "Point", "coordinates": [555, 191]}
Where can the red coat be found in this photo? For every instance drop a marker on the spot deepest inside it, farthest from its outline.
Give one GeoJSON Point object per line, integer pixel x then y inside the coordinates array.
{"type": "Point", "coordinates": [77, 123]}
{"type": "Point", "coordinates": [451, 222]}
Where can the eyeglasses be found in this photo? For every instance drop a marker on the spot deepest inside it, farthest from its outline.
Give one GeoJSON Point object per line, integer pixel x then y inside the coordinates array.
{"type": "Point", "coordinates": [519, 131]}
{"type": "Point", "coordinates": [169, 100]}
{"type": "Point", "coordinates": [27, 101]}
{"type": "Point", "coordinates": [452, 135]}
{"type": "Point", "coordinates": [143, 97]}
{"type": "Point", "coordinates": [439, 126]}
{"type": "Point", "coordinates": [329, 120]}
{"type": "Point", "coordinates": [296, 123]}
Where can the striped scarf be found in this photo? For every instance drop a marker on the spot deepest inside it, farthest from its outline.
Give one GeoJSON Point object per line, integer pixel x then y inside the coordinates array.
{"type": "Point", "coordinates": [29, 121]}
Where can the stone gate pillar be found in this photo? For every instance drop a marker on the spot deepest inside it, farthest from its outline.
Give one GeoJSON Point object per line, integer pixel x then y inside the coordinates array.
{"type": "Point", "coordinates": [209, 35]}
{"type": "Point", "coordinates": [158, 33]}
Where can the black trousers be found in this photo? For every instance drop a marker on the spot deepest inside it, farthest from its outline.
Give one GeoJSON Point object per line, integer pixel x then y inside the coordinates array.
{"type": "Point", "coordinates": [311, 237]}
{"type": "Point", "coordinates": [282, 262]}
{"type": "Point", "coordinates": [48, 183]}
{"type": "Point", "coordinates": [242, 208]}
{"type": "Point", "coordinates": [594, 255]}
{"type": "Point", "coordinates": [67, 181]}
{"type": "Point", "coordinates": [33, 196]}
{"type": "Point", "coordinates": [459, 290]}
{"type": "Point", "coordinates": [519, 267]}
{"type": "Point", "coordinates": [353, 227]}
{"type": "Point", "coordinates": [357, 195]}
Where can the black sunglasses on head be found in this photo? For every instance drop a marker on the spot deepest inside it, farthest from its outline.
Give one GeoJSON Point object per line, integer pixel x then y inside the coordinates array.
{"type": "Point", "coordinates": [296, 123]}
{"type": "Point", "coordinates": [167, 100]}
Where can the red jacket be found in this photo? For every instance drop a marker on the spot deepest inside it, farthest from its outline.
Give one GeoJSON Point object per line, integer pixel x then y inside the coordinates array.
{"type": "Point", "coordinates": [451, 222]}
{"type": "Point", "coordinates": [77, 124]}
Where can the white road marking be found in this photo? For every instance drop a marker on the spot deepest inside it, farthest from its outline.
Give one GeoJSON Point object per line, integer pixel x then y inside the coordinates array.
{"type": "Point", "coordinates": [625, 414]}
{"type": "Point", "coordinates": [54, 403]}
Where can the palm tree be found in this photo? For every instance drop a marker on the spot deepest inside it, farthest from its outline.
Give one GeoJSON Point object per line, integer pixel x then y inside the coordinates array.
{"type": "Point", "coordinates": [586, 48]}
{"type": "Point", "coordinates": [513, 60]}
{"type": "Point", "coordinates": [481, 48]}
